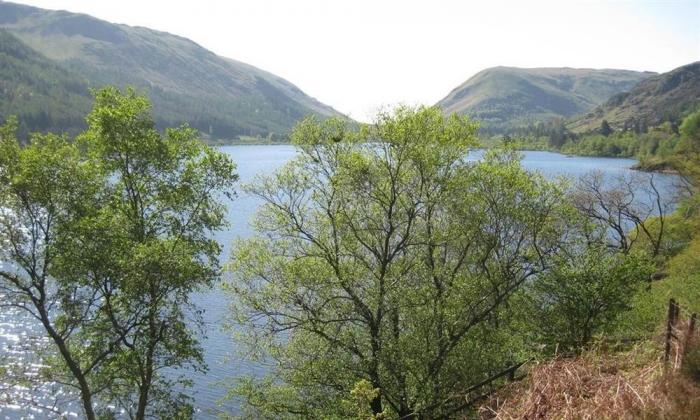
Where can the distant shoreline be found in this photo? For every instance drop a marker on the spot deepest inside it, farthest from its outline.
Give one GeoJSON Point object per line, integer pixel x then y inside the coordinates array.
{"type": "Point", "coordinates": [638, 166]}
{"type": "Point", "coordinates": [655, 167]}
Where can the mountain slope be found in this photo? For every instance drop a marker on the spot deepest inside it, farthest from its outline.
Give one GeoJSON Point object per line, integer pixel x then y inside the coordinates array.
{"type": "Point", "coordinates": [186, 82]}
{"type": "Point", "coordinates": [505, 98]}
{"type": "Point", "coordinates": [665, 97]}
{"type": "Point", "coordinates": [42, 95]}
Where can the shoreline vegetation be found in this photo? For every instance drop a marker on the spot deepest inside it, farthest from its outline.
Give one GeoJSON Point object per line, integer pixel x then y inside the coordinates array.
{"type": "Point", "coordinates": [661, 167]}
{"type": "Point", "coordinates": [387, 277]}
{"type": "Point", "coordinates": [654, 148]}
{"type": "Point", "coordinates": [408, 268]}
{"type": "Point", "coordinates": [655, 165]}
{"type": "Point", "coordinates": [350, 332]}
{"type": "Point", "coordinates": [247, 140]}
{"type": "Point", "coordinates": [644, 164]}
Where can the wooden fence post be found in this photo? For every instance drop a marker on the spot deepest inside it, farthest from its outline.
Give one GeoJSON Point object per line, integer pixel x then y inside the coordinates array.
{"type": "Point", "coordinates": [669, 327]}
{"type": "Point", "coordinates": [689, 334]}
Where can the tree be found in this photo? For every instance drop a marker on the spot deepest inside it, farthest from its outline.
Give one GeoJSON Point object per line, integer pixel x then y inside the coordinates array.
{"type": "Point", "coordinates": [605, 128]}
{"type": "Point", "coordinates": [44, 189]}
{"type": "Point", "coordinates": [157, 246]}
{"type": "Point", "coordinates": [688, 160]}
{"type": "Point", "coordinates": [584, 293]}
{"type": "Point", "coordinates": [384, 259]}
{"type": "Point", "coordinates": [111, 234]}
{"type": "Point", "coordinates": [628, 208]}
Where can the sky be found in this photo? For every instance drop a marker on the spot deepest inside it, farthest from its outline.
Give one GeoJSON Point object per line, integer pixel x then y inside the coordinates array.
{"type": "Point", "coordinates": [362, 55]}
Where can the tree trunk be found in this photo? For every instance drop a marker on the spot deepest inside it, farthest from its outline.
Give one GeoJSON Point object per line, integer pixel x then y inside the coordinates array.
{"type": "Point", "coordinates": [405, 412]}
{"type": "Point", "coordinates": [145, 386]}
{"type": "Point", "coordinates": [377, 403]}
{"type": "Point", "coordinates": [73, 366]}
{"type": "Point", "coordinates": [147, 376]}
{"type": "Point", "coordinates": [143, 400]}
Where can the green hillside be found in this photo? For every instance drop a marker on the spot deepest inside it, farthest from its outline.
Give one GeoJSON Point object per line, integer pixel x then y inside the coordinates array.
{"type": "Point", "coordinates": [506, 98]}
{"type": "Point", "coordinates": [661, 98]}
{"type": "Point", "coordinates": [187, 83]}
{"type": "Point", "coordinates": [42, 95]}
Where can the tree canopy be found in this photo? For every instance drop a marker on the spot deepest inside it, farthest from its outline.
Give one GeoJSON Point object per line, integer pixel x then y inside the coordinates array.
{"type": "Point", "coordinates": [384, 258]}
{"type": "Point", "coordinates": [109, 236]}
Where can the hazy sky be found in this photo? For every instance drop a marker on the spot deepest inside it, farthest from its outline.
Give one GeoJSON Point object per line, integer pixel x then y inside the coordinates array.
{"type": "Point", "coordinates": [358, 55]}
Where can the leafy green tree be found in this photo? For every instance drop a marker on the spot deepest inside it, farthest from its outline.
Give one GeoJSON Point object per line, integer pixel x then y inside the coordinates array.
{"type": "Point", "coordinates": [111, 235]}
{"type": "Point", "coordinates": [384, 259]}
{"type": "Point", "coordinates": [605, 128]}
{"type": "Point", "coordinates": [584, 293]}
{"type": "Point", "coordinates": [157, 248]}
{"type": "Point", "coordinates": [45, 188]}
{"type": "Point", "coordinates": [688, 161]}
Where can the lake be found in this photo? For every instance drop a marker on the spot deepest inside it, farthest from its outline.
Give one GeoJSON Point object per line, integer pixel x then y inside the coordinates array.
{"type": "Point", "coordinates": [209, 388]}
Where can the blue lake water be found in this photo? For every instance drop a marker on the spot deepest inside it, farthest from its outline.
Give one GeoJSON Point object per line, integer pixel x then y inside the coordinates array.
{"type": "Point", "coordinates": [209, 389]}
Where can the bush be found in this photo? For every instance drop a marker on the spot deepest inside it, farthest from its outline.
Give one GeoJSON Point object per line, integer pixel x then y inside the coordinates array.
{"type": "Point", "coordinates": [583, 295]}
{"type": "Point", "coordinates": [691, 363]}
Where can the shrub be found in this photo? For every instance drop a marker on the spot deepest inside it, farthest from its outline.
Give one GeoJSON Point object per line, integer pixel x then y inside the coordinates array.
{"type": "Point", "coordinates": [691, 363]}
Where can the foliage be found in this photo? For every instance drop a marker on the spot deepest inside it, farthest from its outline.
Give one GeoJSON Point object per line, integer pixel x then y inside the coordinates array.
{"type": "Point", "coordinates": [652, 102]}
{"type": "Point", "coordinates": [680, 267]}
{"type": "Point", "coordinates": [583, 295]}
{"type": "Point", "coordinates": [44, 189]}
{"type": "Point", "coordinates": [657, 143]}
{"type": "Point", "coordinates": [651, 135]}
{"type": "Point", "coordinates": [688, 159]}
{"type": "Point", "coordinates": [110, 235]}
{"type": "Point", "coordinates": [163, 206]}
{"type": "Point", "coordinates": [682, 283]}
{"type": "Point", "coordinates": [385, 256]}
{"type": "Point", "coordinates": [388, 276]}
{"type": "Point", "coordinates": [362, 396]}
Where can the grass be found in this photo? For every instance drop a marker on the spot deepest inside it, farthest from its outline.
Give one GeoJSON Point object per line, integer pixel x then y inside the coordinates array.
{"type": "Point", "coordinates": [599, 385]}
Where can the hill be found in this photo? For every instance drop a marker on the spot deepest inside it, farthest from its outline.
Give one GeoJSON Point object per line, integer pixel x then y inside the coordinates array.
{"type": "Point", "coordinates": [661, 98]}
{"type": "Point", "coordinates": [506, 98]}
{"type": "Point", "coordinates": [221, 97]}
{"type": "Point", "coordinates": [43, 95]}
